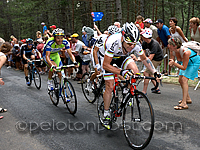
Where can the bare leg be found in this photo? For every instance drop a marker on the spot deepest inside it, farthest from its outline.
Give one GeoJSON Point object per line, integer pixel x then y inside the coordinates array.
{"type": "Point", "coordinates": [108, 93]}
{"type": "Point", "coordinates": [184, 85]}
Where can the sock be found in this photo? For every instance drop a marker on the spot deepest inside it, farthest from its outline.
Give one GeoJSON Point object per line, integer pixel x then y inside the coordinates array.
{"type": "Point", "coordinates": [106, 113]}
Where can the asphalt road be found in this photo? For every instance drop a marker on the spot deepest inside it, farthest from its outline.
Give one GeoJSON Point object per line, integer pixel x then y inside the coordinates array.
{"type": "Point", "coordinates": [34, 123]}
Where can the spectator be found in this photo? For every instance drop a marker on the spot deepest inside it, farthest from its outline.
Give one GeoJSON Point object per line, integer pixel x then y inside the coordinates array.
{"type": "Point", "coordinates": [44, 30]}
{"type": "Point", "coordinates": [90, 36]}
{"type": "Point", "coordinates": [188, 65]}
{"type": "Point", "coordinates": [53, 27]}
{"type": "Point", "coordinates": [195, 29]}
{"type": "Point", "coordinates": [148, 24]}
{"type": "Point", "coordinates": [38, 35]}
{"type": "Point", "coordinates": [155, 55]}
{"type": "Point", "coordinates": [4, 49]}
{"type": "Point", "coordinates": [68, 59]}
{"type": "Point", "coordinates": [84, 37]}
{"type": "Point", "coordinates": [83, 52]}
{"type": "Point", "coordinates": [163, 36]}
{"type": "Point", "coordinates": [139, 20]}
{"type": "Point", "coordinates": [176, 30]}
{"type": "Point", "coordinates": [40, 46]}
{"type": "Point", "coordinates": [13, 40]}
{"type": "Point", "coordinates": [16, 56]}
{"type": "Point", "coordinates": [44, 27]}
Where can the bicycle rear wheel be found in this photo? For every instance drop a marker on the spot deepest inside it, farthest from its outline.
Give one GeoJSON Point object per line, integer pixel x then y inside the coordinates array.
{"type": "Point", "coordinates": [54, 94]}
{"type": "Point", "coordinates": [29, 76]}
{"type": "Point", "coordinates": [69, 96]}
{"type": "Point", "coordinates": [37, 79]}
{"type": "Point", "coordinates": [138, 121]}
{"type": "Point", "coordinates": [88, 90]}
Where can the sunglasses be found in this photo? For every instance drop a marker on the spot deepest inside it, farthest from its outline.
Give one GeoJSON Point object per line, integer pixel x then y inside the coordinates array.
{"type": "Point", "coordinates": [30, 44]}
{"type": "Point", "coordinates": [130, 44]}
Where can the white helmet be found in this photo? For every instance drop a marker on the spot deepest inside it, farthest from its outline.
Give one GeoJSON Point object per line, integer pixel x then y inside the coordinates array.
{"type": "Point", "coordinates": [130, 33]}
{"type": "Point", "coordinates": [113, 29]}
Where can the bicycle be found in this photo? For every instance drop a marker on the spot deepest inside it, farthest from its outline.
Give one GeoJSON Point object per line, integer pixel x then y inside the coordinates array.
{"type": "Point", "coordinates": [94, 91]}
{"type": "Point", "coordinates": [63, 89]}
{"type": "Point", "coordinates": [33, 74]}
{"type": "Point", "coordinates": [138, 114]}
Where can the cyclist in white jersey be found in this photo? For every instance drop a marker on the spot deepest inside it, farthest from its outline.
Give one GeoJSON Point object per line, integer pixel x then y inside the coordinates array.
{"type": "Point", "coordinates": [98, 51]}
{"type": "Point", "coordinates": [118, 47]}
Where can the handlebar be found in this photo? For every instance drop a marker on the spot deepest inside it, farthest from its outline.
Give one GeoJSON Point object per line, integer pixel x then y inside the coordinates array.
{"type": "Point", "coordinates": [64, 67]}
{"type": "Point", "coordinates": [129, 81]}
{"type": "Point", "coordinates": [31, 61]}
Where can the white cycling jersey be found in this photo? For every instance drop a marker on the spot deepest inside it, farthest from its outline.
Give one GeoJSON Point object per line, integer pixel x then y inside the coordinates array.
{"type": "Point", "coordinates": [100, 44]}
{"type": "Point", "coordinates": [114, 46]}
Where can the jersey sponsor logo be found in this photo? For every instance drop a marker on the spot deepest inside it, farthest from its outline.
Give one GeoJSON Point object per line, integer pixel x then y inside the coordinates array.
{"type": "Point", "coordinates": [113, 45]}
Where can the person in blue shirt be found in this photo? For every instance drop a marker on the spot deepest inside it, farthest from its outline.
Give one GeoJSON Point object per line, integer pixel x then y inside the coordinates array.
{"type": "Point", "coordinates": [44, 28]}
{"type": "Point", "coordinates": [163, 36]}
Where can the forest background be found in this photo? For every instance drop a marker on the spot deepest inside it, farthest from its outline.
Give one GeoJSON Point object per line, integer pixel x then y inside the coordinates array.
{"type": "Point", "coordinates": [22, 18]}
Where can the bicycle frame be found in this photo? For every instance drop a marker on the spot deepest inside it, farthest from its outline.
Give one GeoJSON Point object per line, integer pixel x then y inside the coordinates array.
{"type": "Point", "coordinates": [61, 83]}
{"type": "Point", "coordinates": [133, 89]}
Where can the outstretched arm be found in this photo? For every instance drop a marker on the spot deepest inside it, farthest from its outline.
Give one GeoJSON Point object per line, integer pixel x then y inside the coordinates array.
{"type": "Point", "coordinates": [147, 62]}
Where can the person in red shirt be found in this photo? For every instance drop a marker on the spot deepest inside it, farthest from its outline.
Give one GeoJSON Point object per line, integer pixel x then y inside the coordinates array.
{"type": "Point", "coordinates": [139, 20]}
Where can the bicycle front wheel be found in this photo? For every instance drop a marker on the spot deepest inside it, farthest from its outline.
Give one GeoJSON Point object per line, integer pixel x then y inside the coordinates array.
{"type": "Point", "coordinates": [138, 120]}
{"type": "Point", "coordinates": [87, 88]}
{"type": "Point", "coordinates": [69, 96]}
{"type": "Point", "coordinates": [37, 79]}
{"type": "Point", "coordinates": [54, 94]}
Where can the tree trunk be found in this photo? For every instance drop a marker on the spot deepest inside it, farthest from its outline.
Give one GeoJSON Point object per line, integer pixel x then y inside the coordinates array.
{"type": "Point", "coordinates": [119, 10]}
{"type": "Point", "coordinates": [188, 18]}
{"type": "Point", "coordinates": [142, 8]}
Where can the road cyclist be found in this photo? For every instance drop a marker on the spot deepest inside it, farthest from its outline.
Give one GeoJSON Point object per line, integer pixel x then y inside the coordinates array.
{"type": "Point", "coordinates": [118, 47]}
{"type": "Point", "coordinates": [98, 52]}
{"type": "Point", "coordinates": [28, 54]}
{"type": "Point", "coordinates": [51, 55]}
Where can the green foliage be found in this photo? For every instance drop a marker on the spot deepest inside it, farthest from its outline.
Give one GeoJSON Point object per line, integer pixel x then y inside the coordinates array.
{"type": "Point", "coordinates": [23, 18]}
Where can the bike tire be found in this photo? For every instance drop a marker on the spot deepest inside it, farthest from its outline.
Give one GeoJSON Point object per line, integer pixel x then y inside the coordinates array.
{"type": "Point", "coordinates": [29, 76]}
{"type": "Point", "coordinates": [88, 93]}
{"type": "Point", "coordinates": [37, 79]}
{"type": "Point", "coordinates": [69, 96]}
{"type": "Point", "coordinates": [100, 109]}
{"type": "Point", "coordinates": [138, 120]}
{"type": "Point", "coordinates": [54, 94]}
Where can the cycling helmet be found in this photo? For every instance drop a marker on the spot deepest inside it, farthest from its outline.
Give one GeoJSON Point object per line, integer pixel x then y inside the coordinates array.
{"type": "Point", "coordinates": [29, 40]}
{"type": "Point", "coordinates": [130, 33]}
{"type": "Point", "coordinates": [113, 29]}
{"type": "Point", "coordinates": [58, 32]}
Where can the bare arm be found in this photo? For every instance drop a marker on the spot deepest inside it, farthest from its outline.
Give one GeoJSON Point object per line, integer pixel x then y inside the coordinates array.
{"type": "Point", "coordinates": [71, 55]}
{"type": "Point", "coordinates": [147, 62]}
{"type": "Point", "coordinates": [181, 34]}
{"type": "Point", "coordinates": [98, 31]}
{"type": "Point", "coordinates": [2, 60]}
{"type": "Point", "coordinates": [186, 56]}
{"type": "Point", "coordinates": [96, 49]}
